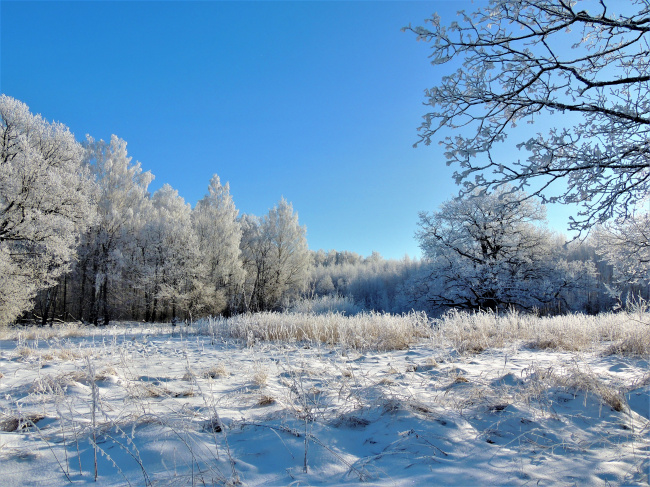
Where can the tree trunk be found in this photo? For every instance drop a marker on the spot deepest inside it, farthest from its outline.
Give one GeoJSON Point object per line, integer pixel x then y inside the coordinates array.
{"type": "Point", "coordinates": [65, 296]}
{"type": "Point", "coordinates": [82, 293]}
{"type": "Point", "coordinates": [147, 306]}
{"type": "Point", "coordinates": [55, 297]}
{"type": "Point", "coordinates": [93, 298]}
{"type": "Point", "coordinates": [46, 307]}
{"type": "Point", "coordinates": [154, 309]}
{"type": "Point", "coordinates": [107, 318]}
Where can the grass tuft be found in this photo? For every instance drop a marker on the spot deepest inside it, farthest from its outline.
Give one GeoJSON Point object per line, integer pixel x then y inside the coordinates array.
{"type": "Point", "coordinates": [13, 423]}
{"type": "Point", "coordinates": [265, 400]}
{"type": "Point", "coordinates": [216, 371]}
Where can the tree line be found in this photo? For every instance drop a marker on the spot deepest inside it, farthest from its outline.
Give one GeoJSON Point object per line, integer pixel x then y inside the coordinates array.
{"type": "Point", "coordinates": [82, 238]}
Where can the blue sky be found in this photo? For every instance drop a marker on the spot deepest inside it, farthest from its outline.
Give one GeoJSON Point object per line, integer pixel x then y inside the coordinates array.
{"type": "Point", "coordinates": [318, 102]}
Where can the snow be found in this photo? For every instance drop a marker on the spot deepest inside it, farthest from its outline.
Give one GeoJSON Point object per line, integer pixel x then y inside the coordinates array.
{"type": "Point", "coordinates": [175, 407]}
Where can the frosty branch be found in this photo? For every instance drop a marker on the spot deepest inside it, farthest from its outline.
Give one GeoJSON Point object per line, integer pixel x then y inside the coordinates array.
{"type": "Point", "coordinates": [516, 66]}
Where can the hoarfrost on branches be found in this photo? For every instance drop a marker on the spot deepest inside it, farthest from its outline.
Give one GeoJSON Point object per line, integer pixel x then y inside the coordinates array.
{"type": "Point", "coordinates": [172, 258]}
{"type": "Point", "coordinates": [487, 252]}
{"type": "Point", "coordinates": [626, 246]}
{"type": "Point", "coordinates": [219, 235]}
{"type": "Point", "coordinates": [106, 254]}
{"type": "Point", "coordinates": [523, 58]}
{"type": "Point", "coordinates": [276, 257]}
{"type": "Point", "coordinates": [45, 202]}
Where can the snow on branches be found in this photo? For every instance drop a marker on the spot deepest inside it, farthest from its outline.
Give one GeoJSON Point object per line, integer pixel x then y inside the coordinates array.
{"type": "Point", "coordinates": [487, 252]}
{"type": "Point", "coordinates": [520, 59]}
{"type": "Point", "coordinates": [45, 202]}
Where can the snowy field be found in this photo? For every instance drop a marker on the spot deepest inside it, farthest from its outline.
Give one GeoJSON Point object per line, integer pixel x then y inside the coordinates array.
{"type": "Point", "coordinates": [279, 399]}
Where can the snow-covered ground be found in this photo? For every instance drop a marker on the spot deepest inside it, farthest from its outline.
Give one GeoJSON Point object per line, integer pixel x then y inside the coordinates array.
{"type": "Point", "coordinates": [175, 407]}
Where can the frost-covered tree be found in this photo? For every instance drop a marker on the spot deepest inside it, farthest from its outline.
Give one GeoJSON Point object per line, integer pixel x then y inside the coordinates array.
{"type": "Point", "coordinates": [486, 252]}
{"type": "Point", "coordinates": [519, 59]}
{"type": "Point", "coordinates": [219, 235]}
{"type": "Point", "coordinates": [108, 250]}
{"type": "Point", "coordinates": [372, 283]}
{"type": "Point", "coordinates": [626, 247]}
{"type": "Point", "coordinates": [170, 253]}
{"type": "Point", "coordinates": [255, 253]}
{"type": "Point", "coordinates": [276, 257]}
{"type": "Point", "coordinates": [596, 296]}
{"type": "Point", "coordinates": [45, 203]}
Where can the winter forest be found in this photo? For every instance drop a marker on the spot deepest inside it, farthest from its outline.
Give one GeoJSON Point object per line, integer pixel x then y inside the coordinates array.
{"type": "Point", "coordinates": [84, 240]}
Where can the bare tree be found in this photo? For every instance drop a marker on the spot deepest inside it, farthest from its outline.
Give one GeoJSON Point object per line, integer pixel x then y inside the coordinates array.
{"type": "Point", "coordinates": [524, 58]}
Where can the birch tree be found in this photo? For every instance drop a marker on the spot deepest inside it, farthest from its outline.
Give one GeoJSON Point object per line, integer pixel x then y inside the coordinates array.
{"type": "Point", "coordinates": [45, 203]}
{"type": "Point", "coordinates": [276, 257]}
{"type": "Point", "coordinates": [522, 59]}
{"type": "Point", "coordinates": [219, 236]}
{"type": "Point", "coordinates": [122, 201]}
{"type": "Point", "coordinates": [170, 256]}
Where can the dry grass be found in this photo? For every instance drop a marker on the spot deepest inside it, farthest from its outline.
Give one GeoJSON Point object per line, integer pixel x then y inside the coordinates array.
{"type": "Point", "coordinates": [48, 355]}
{"type": "Point", "coordinates": [106, 372]}
{"type": "Point", "coordinates": [184, 393]}
{"type": "Point", "coordinates": [432, 362]}
{"type": "Point", "coordinates": [265, 400]}
{"type": "Point", "coordinates": [68, 354]}
{"type": "Point", "coordinates": [573, 379]}
{"type": "Point", "coordinates": [622, 333]}
{"type": "Point", "coordinates": [260, 375]}
{"type": "Point", "coordinates": [59, 330]}
{"type": "Point", "coordinates": [57, 383]}
{"type": "Point", "coordinates": [216, 371]}
{"type": "Point", "coordinates": [24, 352]}
{"type": "Point", "coordinates": [150, 390]}
{"type": "Point", "coordinates": [635, 342]}
{"type": "Point", "coordinates": [587, 381]}
{"type": "Point", "coordinates": [11, 423]}
{"type": "Point", "coordinates": [364, 331]}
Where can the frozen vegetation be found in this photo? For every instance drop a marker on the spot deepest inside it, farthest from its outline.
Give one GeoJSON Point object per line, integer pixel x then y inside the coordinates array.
{"type": "Point", "coordinates": [278, 365]}
{"type": "Point", "coordinates": [83, 240]}
{"type": "Point", "coordinates": [282, 398]}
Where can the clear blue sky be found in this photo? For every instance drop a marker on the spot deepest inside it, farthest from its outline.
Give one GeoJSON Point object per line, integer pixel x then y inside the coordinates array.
{"type": "Point", "coordinates": [318, 102]}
